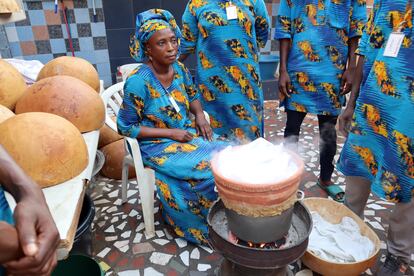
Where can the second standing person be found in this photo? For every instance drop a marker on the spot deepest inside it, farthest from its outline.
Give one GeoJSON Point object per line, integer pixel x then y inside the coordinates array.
{"type": "Point", "coordinates": [226, 37]}
{"type": "Point", "coordinates": [317, 40]}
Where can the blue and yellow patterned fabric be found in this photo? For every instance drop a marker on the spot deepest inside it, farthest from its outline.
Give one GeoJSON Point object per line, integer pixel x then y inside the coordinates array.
{"type": "Point", "coordinates": [5, 212]}
{"type": "Point", "coordinates": [185, 184]}
{"type": "Point", "coordinates": [319, 30]}
{"type": "Point", "coordinates": [380, 146]}
{"type": "Point", "coordinates": [5, 215]}
{"type": "Point", "coordinates": [228, 76]}
{"type": "Point", "coordinates": [147, 23]}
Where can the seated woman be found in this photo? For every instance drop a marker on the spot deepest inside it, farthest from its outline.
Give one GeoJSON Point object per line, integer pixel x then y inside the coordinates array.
{"type": "Point", "coordinates": [158, 97]}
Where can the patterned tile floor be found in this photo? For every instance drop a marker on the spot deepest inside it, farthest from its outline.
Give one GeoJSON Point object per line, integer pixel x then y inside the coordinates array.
{"type": "Point", "coordinates": [122, 248]}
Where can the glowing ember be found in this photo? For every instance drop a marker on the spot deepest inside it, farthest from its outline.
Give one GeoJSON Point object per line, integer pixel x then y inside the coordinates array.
{"type": "Point", "coordinates": [279, 244]}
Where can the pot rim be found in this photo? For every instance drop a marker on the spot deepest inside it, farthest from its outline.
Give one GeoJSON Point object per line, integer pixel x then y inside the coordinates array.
{"type": "Point", "coordinates": [245, 186]}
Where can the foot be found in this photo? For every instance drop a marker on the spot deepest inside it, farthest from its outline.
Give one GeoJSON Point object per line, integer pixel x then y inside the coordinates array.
{"type": "Point", "coordinates": [338, 196]}
{"type": "Point", "coordinates": [393, 266]}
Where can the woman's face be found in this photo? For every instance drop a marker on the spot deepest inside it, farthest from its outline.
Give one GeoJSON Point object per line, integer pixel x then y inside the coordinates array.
{"type": "Point", "coordinates": [162, 47]}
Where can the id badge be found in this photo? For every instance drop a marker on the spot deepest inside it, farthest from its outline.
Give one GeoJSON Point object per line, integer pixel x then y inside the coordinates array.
{"type": "Point", "coordinates": [174, 103]}
{"type": "Point", "coordinates": [393, 44]}
{"type": "Point", "coordinates": [231, 12]}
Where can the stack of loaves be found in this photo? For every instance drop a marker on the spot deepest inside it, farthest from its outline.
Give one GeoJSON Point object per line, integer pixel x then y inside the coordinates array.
{"type": "Point", "coordinates": [44, 137]}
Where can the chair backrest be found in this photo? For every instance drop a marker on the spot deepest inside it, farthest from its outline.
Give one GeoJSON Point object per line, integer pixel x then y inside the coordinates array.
{"type": "Point", "coordinates": [126, 69]}
{"type": "Point", "coordinates": [112, 98]}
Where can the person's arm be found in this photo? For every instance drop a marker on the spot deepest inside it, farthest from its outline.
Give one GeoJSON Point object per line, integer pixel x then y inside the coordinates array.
{"type": "Point", "coordinates": [9, 243]}
{"type": "Point", "coordinates": [283, 33]}
{"type": "Point", "coordinates": [348, 74]}
{"type": "Point", "coordinates": [261, 23]}
{"type": "Point", "coordinates": [357, 23]}
{"type": "Point", "coordinates": [131, 114]}
{"type": "Point", "coordinates": [345, 118]}
{"type": "Point", "coordinates": [189, 31]}
{"type": "Point", "coordinates": [284, 79]}
{"type": "Point", "coordinates": [37, 233]}
{"type": "Point", "coordinates": [202, 125]}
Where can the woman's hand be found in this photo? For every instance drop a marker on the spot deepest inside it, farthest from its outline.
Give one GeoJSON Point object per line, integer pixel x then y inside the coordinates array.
{"type": "Point", "coordinates": [180, 135]}
{"type": "Point", "coordinates": [284, 84]}
{"type": "Point", "coordinates": [203, 127]}
{"type": "Point", "coordinates": [345, 120]}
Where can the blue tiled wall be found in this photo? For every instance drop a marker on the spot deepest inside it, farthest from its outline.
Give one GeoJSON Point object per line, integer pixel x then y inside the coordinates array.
{"type": "Point", "coordinates": [43, 35]}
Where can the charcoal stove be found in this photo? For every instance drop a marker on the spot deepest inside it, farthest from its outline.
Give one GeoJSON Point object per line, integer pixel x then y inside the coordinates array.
{"type": "Point", "coordinates": [245, 260]}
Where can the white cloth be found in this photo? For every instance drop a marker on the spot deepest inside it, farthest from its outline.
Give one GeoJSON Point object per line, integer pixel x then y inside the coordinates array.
{"type": "Point", "coordinates": [28, 68]}
{"type": "Point", "coordinates": [341, 242]}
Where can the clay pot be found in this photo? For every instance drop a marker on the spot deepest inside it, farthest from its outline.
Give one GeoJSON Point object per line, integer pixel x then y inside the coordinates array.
{"type": "Point", "coordinates": [5, 113]}
{"type": "Point", "coordinates": [333, 212]}
{"type": "Point", "coordinates": [71, 66]}
{"type": "Point", "coordinates": [67, 97]}
{"type": "Point", "coordinates": [114, 155]}
{"type": "Point", "coordinates": [47, 147]}
{"type": "Point", "coordinates": [258, 200]}
{"type": "Point", "coordinates": [12, 85]}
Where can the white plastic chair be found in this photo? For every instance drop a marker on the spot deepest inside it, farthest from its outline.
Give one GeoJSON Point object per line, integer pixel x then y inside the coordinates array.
{"type": "Point", "coordinates": [112, 98]}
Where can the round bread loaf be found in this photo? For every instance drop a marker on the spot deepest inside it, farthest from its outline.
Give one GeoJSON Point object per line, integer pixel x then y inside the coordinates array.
{"type": "Point", "coordinates": [107, 135]}
{"type": "Point", "coordinates": [114, 155]}
{"type": "Point", "coordinates": [48, 147]}
{"type": "Point", "coordinates": [67, 97]}
{"type": "Point", "coordinates": [5, 113]}
{"type": "Point", "coordinates": [71, 66]}
{"type": "Point", "coordinates": [12, 85]}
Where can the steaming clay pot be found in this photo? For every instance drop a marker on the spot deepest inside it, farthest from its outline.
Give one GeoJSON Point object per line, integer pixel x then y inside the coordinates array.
{"type": "Point", "coordinates": [259, 212]}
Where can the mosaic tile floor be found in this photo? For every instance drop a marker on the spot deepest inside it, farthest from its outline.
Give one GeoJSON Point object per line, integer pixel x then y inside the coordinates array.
{"type": "Point", "coordinates": [122, 248]}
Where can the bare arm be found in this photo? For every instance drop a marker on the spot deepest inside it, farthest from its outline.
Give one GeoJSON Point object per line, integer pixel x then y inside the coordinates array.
{"type": "Point", "coordinates": [345, 118]}
{"type": "Point", "coordinates": [348, 75]}
{"type": "Point", "coordinates": [9, 243]}
{"type": "Point", "coordinates": [202, 126]}
{"type": "Point", "coordinates": [356, 82]}
{"type": "Point", "coordinates": [169, 133]}
{"type": "Point", "coordinates": [38, 237]}
{"type": "Point", "coordinates": [284, 79]}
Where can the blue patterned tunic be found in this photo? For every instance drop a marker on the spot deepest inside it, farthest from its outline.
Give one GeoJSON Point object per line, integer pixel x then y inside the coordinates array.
{"type": "Point", "coordinates": [319, 30]}
{"type": "Point", "coordinates": [184, 181]}
{"type": "Point", "coordinates": [380, 146]}
{"type": "Point", "coordinates": [228, 74]}
{"type": "Point", "coordinates": [5, 215]}
{"type": "Point", "coordinates": [5, 212]}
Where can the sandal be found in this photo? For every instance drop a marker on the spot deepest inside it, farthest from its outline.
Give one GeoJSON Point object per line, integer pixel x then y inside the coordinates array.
{"type": "Point", "coordinates": [333, 191]}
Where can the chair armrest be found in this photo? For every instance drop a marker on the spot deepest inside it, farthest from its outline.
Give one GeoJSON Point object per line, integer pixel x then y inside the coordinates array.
{"type": "Point", "coordinates": [110, 123]}
{"type": "Point", "coordinates": [132, 146]}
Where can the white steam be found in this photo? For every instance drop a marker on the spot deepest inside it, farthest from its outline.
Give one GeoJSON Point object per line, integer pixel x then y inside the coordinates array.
{"type": "Point", "coordinates": [259, 162]}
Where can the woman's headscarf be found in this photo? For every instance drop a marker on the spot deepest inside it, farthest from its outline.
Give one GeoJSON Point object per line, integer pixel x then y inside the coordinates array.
{"type": "Point", "coordinates": [147, 24]}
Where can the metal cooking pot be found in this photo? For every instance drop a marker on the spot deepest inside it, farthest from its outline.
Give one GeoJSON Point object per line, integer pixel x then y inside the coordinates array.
{"type": "Point", "coordinates": [261, 229]}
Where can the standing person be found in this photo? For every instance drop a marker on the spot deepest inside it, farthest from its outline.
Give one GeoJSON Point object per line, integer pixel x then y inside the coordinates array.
{"type": "Point", "coordinates": [226, 37]}
{"type": "Point", "coordinates": [158, 98]}
{"type": "Point", "coordinates": [317, 43]}
{"type": "Point", "coordinates": [29, 246]}
{"type": "Point", "coordinates": [378, 154]}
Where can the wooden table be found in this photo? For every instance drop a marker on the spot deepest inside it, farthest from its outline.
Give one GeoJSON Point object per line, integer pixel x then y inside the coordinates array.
{"type": "Point", "coordinates": [65, 200]}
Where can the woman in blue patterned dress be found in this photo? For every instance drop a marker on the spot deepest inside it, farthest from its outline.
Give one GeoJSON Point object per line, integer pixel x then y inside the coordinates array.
{"type": "Point", "coordinates": [378, 154]}
{"type": "Point", "coordinates": [228, 76]}
{"type": "Point", "coordinates": [318, 39]}
{"type": "Point", "coordinates": [158, 98]}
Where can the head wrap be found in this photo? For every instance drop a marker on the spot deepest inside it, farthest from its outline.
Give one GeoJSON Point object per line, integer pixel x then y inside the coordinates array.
{"type": "Point", "coordinates": [147, 24]}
